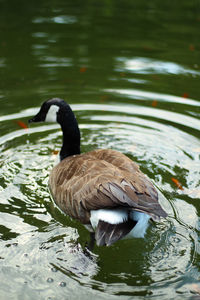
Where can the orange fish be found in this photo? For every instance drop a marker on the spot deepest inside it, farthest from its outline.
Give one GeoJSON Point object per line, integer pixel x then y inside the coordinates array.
{"type": "Point", "coordinates": [177, 183]}
{"type": "Point", "coordinates": [21, 124]}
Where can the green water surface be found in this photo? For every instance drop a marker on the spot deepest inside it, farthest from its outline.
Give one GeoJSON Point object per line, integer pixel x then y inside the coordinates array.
{"type": "Point", "coordinates": [131, 72]}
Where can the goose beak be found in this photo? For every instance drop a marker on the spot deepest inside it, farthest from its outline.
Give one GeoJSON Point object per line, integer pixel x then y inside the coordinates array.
{"type": "Point", "coordinates": [31, 120]}
{"type": "Point", "coordinates": [36, 118]}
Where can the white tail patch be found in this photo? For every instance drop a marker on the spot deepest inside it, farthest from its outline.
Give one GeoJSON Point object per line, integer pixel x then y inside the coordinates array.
{"type": "Point", "coordinates": [114, 216]}
{"type": "Point", "coordinates": [52, 114]}
{"type": "Point", "coordinates": [142, 223]}
{"type": "Point", "coordinates": [117, 216]}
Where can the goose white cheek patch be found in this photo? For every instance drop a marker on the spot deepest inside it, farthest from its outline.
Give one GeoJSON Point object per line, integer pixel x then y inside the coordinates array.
{"type": "Point", "coordinates": [52, 114]}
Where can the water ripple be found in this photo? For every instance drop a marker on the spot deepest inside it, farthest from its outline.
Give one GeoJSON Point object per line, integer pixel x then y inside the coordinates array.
{"type": "Point", "coordinates": [139, 94]}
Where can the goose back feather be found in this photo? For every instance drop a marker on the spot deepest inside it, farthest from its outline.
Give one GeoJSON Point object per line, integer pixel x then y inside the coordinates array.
{"type": "Point", "coordinates": [102, 179]}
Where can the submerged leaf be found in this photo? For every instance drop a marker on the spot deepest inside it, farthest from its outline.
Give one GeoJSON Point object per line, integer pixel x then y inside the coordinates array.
{"type": "Point", "coordinates": [185, 95]}
{"type": "Point", "coordinates": [192, 47]}
{"type": "Point", "coordinates": [154, 103]}
{"type": "Point", "coordinates": [83, 69]}
{"type": "Point", "coordinates": [55, 152]}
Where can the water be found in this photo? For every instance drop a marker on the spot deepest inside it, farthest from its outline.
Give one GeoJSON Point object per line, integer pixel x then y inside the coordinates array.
{"type": "Point", "coordinates": [130, 70]}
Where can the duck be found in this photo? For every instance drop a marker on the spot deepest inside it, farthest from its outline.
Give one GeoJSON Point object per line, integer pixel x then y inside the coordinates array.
{"type": "Point", "coordinates": [103, 189]}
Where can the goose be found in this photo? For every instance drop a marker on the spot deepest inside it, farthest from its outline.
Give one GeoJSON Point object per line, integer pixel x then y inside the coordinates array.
{"type": "Point", "coordinates": [103, 189]}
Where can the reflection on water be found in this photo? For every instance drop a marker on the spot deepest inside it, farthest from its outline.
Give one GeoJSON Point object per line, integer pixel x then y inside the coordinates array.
{"type": "Point", "coordinates": [134, 86]}
{"type": "Point", "coordinates": [142, 65]}
{"type": "Point", "coordinates": [58, 19]}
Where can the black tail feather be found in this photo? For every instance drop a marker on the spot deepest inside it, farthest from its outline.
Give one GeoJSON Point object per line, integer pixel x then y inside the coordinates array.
{"type": "Point", "coordinates": [106, 234]}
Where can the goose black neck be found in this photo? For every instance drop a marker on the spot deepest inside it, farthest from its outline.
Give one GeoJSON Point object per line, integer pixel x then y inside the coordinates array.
{"type": "Point", "coordinates": [71, 133]}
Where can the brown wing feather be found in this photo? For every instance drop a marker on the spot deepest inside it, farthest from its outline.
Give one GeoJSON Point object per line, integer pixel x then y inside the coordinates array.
{"type": "Point", "coordinates": [102, 179]}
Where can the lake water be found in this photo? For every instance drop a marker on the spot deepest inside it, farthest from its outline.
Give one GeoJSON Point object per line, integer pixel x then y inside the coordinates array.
{"type": "Point", "coordinates": [131, 72]}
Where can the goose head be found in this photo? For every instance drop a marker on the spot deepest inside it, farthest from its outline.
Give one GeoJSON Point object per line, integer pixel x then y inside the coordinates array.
{"type": "Point", "coordinates": [56, 110]}
{"type": "Point", "coordinates": [52, 111]}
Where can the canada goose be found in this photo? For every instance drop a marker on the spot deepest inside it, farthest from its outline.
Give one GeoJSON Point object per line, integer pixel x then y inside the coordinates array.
{"type": "Point", "coordinates": [103, 189]}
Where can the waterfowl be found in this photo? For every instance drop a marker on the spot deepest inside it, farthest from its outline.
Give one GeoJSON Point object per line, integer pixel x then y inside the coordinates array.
{"type": "Point", "coordinates": [103, 189]}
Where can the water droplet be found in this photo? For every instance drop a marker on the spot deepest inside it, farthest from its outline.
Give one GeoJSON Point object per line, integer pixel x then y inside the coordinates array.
{"type": "Point", "coordinates": [54, 269]}
{"type": "Point", "coordinates": [138, 281]}
{"type": "Point", "coordinates": [62, 284]}
{"type": "Point", "coordinates": [50, 280]}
